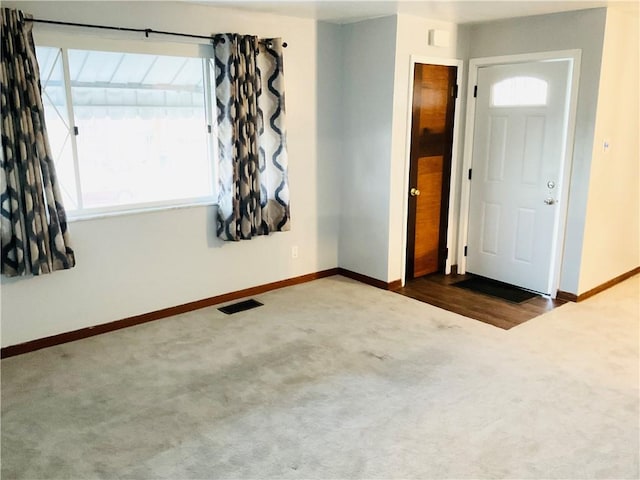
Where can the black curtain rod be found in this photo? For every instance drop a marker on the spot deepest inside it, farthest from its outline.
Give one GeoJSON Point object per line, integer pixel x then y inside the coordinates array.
{"type": "Point", "coordinates": [146, 31]}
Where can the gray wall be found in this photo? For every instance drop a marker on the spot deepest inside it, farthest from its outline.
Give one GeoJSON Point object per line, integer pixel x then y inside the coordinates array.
{"type": "Point", "coordinates": [368, 81]}
{"type": "Point", "coordinates": [329, 111]}
{"type": "Point", "coordinates": [584, 30]}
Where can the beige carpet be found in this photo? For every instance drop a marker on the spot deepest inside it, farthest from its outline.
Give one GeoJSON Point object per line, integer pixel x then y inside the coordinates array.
{"type": "Point", "coordinates": [334, 379]}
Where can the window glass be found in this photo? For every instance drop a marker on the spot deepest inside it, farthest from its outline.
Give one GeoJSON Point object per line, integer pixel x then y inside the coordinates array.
{"type": "Point", "coordinates": [59, 128]}
{"type": "Point", "coordinates": [143, 135]}
{"type": "Point", "coordinates": [519, 91]}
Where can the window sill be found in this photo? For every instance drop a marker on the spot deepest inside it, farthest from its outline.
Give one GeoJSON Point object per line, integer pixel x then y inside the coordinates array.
{"type": "Point", "coordinates": [96, 215]}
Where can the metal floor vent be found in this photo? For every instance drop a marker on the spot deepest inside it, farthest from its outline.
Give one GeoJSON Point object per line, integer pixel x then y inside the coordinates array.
{"type": "Point", "coordinates": [240, 306]}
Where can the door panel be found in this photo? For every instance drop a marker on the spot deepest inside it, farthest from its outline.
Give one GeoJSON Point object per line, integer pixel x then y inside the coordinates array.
{"type": "Point", "coordinates": [490, 228]}
{"type": "Point", "coordinates": [497, 149]}
{"type": "Point", "coordinates": [430, 170]}
{"type": "Point", "coordinates": [533, 152]}
{"type": "Point", "coordinates": [428, 208]}
{"type": "Point", "coordinates": [520, 124]}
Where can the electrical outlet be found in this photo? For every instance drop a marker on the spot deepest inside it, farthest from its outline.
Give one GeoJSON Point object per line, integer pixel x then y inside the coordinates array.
{"type": "Point", "coordinates": [294, 251]}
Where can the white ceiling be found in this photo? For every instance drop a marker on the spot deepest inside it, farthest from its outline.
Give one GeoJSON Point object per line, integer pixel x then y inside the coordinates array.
{"type": "Point", "coordinates": [456, 11]}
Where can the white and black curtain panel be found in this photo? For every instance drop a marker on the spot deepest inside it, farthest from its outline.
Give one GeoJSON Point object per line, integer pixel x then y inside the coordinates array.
{"type": "Point", "coordinates": [253, 194]}
{"type": "Point", "coordinates": [32, 219]}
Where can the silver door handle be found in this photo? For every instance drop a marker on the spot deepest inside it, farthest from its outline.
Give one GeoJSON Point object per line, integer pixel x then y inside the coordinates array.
{"type": "Point", "coordinates": [550, 201]}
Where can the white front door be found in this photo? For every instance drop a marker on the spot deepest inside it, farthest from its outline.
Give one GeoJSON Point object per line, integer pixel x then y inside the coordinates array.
{"type": "Point", "coordinates": [517, 163]}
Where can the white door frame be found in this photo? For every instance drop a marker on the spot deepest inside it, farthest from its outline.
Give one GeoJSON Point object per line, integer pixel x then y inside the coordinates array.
{"type": "Point", "coordinates": [447, 62]}
{"type": "Point", "coordinates": [573, 56]}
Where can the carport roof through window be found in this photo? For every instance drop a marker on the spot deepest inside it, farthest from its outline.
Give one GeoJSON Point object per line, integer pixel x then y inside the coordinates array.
{"type": "Point", "coordinates": [168, 81]}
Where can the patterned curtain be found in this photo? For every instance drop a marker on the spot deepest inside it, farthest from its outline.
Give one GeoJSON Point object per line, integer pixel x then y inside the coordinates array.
{"type": "Point", "coordinates": [32, 219]}
{"type": "Point", "coordinates": [252, 155]}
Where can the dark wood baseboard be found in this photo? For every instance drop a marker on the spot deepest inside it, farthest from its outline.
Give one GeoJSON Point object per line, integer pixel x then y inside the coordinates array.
{"type": "Point", "coordinates": [572, 297]}
{"type": "Point", "coordinates": [66, 337]}
{"type": "Point", "coordinates": [566, 296]}
{"type": "Point", "coordinates": [374, 282]}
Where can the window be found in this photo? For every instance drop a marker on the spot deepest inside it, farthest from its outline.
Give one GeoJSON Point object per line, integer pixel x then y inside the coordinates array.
{"type": "Point", "coordinates": [128, 131]}
{"type": "Point", "coordinates": [519, 92]}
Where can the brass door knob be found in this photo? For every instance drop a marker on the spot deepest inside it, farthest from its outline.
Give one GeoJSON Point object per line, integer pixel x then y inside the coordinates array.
{"type": "Point", "coordinates": [414, 192]}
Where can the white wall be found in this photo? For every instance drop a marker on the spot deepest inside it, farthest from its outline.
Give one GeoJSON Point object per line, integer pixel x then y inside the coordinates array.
{"type": "Point", "coordinates": [412, 39]}
{"type": "Point", "coordinates": [611, 235]}
{"type": "Point", "coordinates": [584, 30]}
{"type": "Point", "coordinates": [134, 264]}
{"type": "Point", "coordinates": [368, 76]}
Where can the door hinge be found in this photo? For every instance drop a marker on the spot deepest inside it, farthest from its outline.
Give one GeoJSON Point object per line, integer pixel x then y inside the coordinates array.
{"type": "Point", "coordinates": [470, 170]}
{"type": "Point", "coordinates": [208, 128]}
{"type": "Point", "coordinates": [446, 253]}
{"type": "Point", "coordinates": [465, 250]}
{"type": "Point", "coordinates": [475, 91]}
{"type": "Point", "coordinates": [455, 91]}
{"type": "Point", "coordinates": [75, 130]}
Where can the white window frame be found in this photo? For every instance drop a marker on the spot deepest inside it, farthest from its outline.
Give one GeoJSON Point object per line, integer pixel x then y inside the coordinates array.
{"type": "Point", "coordinates": [65, 42]}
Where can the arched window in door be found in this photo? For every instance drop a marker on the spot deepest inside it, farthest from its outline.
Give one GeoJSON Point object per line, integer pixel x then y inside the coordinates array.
{"type": "Point", "coordinates": [519, 92]}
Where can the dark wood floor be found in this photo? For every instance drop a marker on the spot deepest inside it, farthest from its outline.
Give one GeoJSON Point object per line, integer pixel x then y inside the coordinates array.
{"type": "Point", "coordinates": [438, 290]}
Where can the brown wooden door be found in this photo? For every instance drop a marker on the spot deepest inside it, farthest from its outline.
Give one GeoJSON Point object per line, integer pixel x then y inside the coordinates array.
{"type": "Point", "coordinates": [434, 93]}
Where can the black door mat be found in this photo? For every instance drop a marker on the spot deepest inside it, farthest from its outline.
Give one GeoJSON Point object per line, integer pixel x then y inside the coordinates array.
{"type": "Point", "coordinates": [496, 289]}
{"type": "Point", "coordinates": [240, 306]}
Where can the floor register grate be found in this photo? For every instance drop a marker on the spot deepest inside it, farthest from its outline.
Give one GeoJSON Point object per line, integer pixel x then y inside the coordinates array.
{"type": "Point", "coordinates": [240, 306]}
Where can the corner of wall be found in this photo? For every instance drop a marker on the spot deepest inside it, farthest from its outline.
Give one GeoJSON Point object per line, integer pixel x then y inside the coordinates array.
{"type": "Point", "coordinates": [367, 106]}
{"type": "Point", "coordinates": [611, 245]}
{"type": "Point", "coordinates": [330, 145]}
